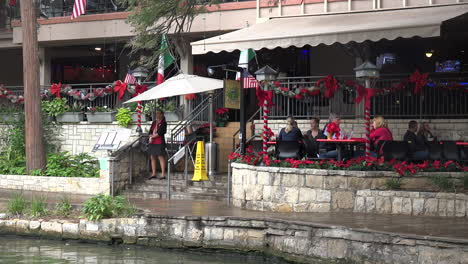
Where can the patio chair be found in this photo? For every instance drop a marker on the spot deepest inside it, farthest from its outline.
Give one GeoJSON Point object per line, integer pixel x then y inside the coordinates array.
{"type": "Point", "coordinates": [310, 150]}
{"type": "Point", "coordinates": [450, 151]}
{"type": "Point", "coordinates": [288, 150]}
{"type": "Point", "coordinates": [435, 151]}
{"type": "Point", "coordinates": [395, 150]}
{"type": "Point", "coordinates": [257, 145]}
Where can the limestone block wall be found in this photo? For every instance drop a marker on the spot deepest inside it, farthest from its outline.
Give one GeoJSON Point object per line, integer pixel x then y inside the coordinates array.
{"type": "Point", "coordinates": [411, 203]}
{"type": "Point", "coordinates": [313, 190]}
{"type": "Point", "coordinates": [73, 185]}
{"type": "Point", "coordinates": [444, 129]}
{"type": "Point", "coordinates": [125, 168]}
{"type": "Point", "coordinates": [300, 242]}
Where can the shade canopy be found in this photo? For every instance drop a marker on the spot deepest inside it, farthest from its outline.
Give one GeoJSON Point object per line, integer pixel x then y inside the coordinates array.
{"type": "Point", "coordinates": [179, 85]}
{"type": "Point", "coordinates": [328, 29]}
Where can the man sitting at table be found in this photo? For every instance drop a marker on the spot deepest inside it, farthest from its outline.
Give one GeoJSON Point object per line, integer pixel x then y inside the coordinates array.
{"type": "Point", "coordinates": [331, 152]}
{"type": "Point", "coordinates": [290, 132]}
{"type": "Point", "coordinates": [417, 147]}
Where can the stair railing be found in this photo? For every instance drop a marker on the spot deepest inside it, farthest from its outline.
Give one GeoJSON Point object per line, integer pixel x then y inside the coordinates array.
{"type": "Point", "coordinates": [178, 138]}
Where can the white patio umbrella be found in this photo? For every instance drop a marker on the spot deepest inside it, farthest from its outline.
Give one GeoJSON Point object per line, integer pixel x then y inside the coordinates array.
{"type": "Point", "coordinates": [179, 85]}
{"type": "Point", "coordinates": [184, 84]}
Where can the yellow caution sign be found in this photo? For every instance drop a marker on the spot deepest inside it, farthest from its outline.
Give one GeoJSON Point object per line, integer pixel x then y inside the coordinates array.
{"type": "Point", "coordinates": [200, 173]}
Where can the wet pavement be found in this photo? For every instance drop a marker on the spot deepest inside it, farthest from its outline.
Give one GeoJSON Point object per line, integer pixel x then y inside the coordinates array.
{"type": "Point", "coordinates": [443, 227]}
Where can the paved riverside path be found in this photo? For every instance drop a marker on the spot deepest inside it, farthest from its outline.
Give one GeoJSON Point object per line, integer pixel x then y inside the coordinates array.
{"type": "Point", "coordinates": [450, 228]}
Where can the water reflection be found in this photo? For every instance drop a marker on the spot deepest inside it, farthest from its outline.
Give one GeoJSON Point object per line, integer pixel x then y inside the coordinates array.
{"type": "Point", "coordinates": [30, 250]}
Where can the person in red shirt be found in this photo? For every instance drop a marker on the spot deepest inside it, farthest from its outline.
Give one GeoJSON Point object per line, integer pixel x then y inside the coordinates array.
{"type": "Point", "coordinates": [157, 144]}
{"type": "Point", "coordinates": [379, 132]}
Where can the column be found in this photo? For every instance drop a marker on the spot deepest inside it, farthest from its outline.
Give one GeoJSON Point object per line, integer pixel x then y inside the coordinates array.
{"type": "Point", "coordinates": [44, 67]}
{"type": "Point", "coordinates": [186, 66]}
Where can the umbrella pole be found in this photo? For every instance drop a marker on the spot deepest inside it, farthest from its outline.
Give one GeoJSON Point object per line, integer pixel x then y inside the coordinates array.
{"type": "Point", "coordinates": [139, 130]}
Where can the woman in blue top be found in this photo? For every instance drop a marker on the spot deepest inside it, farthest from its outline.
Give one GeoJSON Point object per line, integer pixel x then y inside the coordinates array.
{"type": "Point", "coordinates": [290, 132]}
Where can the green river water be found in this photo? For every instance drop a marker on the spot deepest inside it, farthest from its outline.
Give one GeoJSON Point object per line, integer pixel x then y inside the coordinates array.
{"type": "Point", "coordinates": [31, 250]}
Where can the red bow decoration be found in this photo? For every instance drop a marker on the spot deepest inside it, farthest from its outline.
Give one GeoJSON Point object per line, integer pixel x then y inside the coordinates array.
{"type": "Point", "coordinates": [330, 83]}
{"type": "Point", "coordinates": [190, 97]}
{"type": "Point", "coordinates": [55, 89]}
{"type": "Point", "coordinates": [264, 95]}
{"type": "Point", "coordinates": [363, 93]}
{"type": "Point", "coordinates": [333, 128]}
{"type": "Point", "coordinates": [419, 80]}
{"type": "Point", "coordinates": [120, 87]}
{"type": "Point", "coordinates": [139, 89]}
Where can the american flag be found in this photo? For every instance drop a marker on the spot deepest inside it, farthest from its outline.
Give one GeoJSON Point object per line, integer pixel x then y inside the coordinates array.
{"type": "Point", "coordinates": [129, 78]}
{"type": "Point", "coordinates": [249, 81]}
{"type": "Point", "coordinates": [79, 8]}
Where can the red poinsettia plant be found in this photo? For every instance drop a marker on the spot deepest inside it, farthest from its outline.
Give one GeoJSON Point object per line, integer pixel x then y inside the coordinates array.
{"type": "Point", "coordinates": [333, 129]}
{"type": "Point", "coordinates": [359, 164]}
{"type": "Point", "coordinates": [222, 114]}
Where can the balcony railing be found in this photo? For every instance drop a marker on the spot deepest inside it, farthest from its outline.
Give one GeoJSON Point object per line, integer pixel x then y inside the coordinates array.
{"type": "Point", "coordinates": [433, 102]}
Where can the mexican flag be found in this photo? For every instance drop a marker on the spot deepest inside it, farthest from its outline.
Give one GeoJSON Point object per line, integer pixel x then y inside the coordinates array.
{"type": "Point", "coordinates": [245, 57]}
{"type": "Point", "coordinates": [165, 60]}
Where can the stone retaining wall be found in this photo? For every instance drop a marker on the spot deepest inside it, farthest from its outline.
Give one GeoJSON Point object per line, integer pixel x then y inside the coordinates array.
{"type": "Point", "coordinates": [297, 241]}
{"type": "Point", "coordinates": [74, 185]}
{"type": "Point", "coordinates": [444, 129]}
{"type": "Point", "coordinates": [411, 203]}
{"type": "Point", "coordinates": [313, 190]}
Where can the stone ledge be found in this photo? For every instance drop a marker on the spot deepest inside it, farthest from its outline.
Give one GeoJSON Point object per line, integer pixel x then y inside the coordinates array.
{"type": "Point", "coordinates": [292, 240]}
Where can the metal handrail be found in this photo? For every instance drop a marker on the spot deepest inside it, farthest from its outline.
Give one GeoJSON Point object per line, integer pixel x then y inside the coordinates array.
{"type": "Point", "coordinates": [238, 131]}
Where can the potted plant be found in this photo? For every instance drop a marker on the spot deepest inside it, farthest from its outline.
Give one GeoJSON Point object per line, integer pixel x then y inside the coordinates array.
{"type": "Point", "coordinates": [10, 114]}
{"type": "Point", "coordinates": [149, 108]}
{"type": "Point", "coordinates": [124, 117]}
{"type": "Point", "coordinates": [170, 112]}
{"type": "Point", "coordinates": [74, 114]}
{"type": "Point", "coordinates": [55, 107]}
{"type": "Point", "coordinates": [100, 114]}
{"type": "Point", "coordinates": [222, 116]}
{"type": "Point", "coordinates": [134, 114]}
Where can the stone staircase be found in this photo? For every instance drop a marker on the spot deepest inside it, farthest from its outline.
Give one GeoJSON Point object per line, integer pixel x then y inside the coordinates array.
{"type": "Point", "coordinates": [213, 190]}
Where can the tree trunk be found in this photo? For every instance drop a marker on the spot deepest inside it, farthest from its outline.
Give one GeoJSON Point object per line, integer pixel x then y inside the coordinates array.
{"type": "Point", "coordinates": [35, 154]}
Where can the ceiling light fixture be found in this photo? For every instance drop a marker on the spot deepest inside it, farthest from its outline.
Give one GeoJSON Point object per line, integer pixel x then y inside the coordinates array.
{"type": "Point", "coordinates": [98, 48]}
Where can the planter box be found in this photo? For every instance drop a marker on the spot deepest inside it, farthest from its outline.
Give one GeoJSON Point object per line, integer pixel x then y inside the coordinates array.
{"type": "Point", "coordinates": [135, 118]}
{"type": "Point", "coordinates": [11, 117]}
{"type": "Point", "coordinates": [171, 116]}
{"type": "Point", "coordinates": [70, 117]}
{"type": "Point", "coordinates": [101, 117]}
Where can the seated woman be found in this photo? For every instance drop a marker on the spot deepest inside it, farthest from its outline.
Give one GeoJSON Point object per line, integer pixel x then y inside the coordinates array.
{"type": "Point", "coordinates": [290, 132]}
{"type": "Point", "coordinates": [331, 130]}
{"type": "Point", "coordinates": [426, 134]}
{"type": "Point", "coordinates": [379, 132]}
{"type": "Point", "coordinates": [310, 138]}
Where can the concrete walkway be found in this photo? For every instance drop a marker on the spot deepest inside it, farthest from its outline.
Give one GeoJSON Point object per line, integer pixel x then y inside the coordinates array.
{"type": "Point", "coordinates": [445, 228]}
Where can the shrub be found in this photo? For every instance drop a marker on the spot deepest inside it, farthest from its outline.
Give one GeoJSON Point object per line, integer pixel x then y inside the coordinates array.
{"type": "Point", "coordinates": [64, 207]}
{"type": "Point", "coordinates": [38, 206]}
{"type": "Point", "coordinates": [443, 183]}
{"type": "Point", "coordinates": [393, 183]}
{"type": "Point", "coordinates": [17, 204]}
{"type": "Point", "coordinates": [124, 117]}
{"type": "Point", "coordinates": [64, 165]}
{"type": "Point", "coordinates": [106, 206]}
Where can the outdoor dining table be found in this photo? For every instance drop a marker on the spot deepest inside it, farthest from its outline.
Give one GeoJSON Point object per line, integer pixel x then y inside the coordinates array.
{"type": "Point", "coordinates": [341, 142]}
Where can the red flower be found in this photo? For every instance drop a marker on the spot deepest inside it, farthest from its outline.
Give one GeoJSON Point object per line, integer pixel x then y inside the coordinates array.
{"type": "Point", "coordinates": [436, 164]}
{"type": "Point", "coordinates": [221, 111]}
{"type": "Point", "coordinates": [249, 149]}
{"type": "Point", "coordinates": [233, 156]}
{"type": "Point", "coordinates": [298, 96]}
{"type": "Point", "coordinates": [284, 89]}
{"type": "Point", "coordinates": [190, 97]}
{"type": "Point", "coordinates": [266, 160]}
{"type": "Point", "coordinates": [277, 84]}
{"type": "Point", "coordinates": [334, 129]}
{"type": "Point", "coordinates": [314, 92]}
{"type": "Point", "coordinates": [446, 164]}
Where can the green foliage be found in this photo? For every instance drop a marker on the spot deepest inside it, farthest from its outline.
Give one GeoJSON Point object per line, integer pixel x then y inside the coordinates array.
{"type": "Point", "coordinates": [106, 206]}
{"type": "Point", "coordinates": [393, 183]}
{"type": "Point", "coordinates": [443, 183]}
{"type": "Point", "coordinates": [17, 204]}
{"type": "Point", "coordinates": [55, 107]}
{"type": "Point", "coordinates": [124, 117]}
{"type": "Point", "coordinates": [133, 106]}
{"type": "Point", "coordinates": [38, 206]}
{"type": "Point", "coordinates": [10, 109]}
{"type": "Point", "coordinates": [77, 107]}
{"type": "Point", "coordinates": [150, 107]}
{"type": "Point", "coordinates": [64, 207]}
{"type": "Point", "coordinates": [64, 165]}
{"type": "Point", "coordinates": [99, 109]}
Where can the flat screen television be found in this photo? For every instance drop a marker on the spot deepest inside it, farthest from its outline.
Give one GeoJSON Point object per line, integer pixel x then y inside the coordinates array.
{"type": "Point", "coordinates": [448, 66]}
